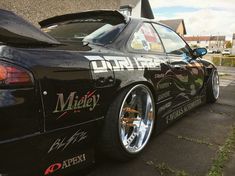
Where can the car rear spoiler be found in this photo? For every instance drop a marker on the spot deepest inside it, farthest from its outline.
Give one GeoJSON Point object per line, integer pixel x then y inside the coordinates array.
{"type": "Point", "coordinates": [87, 14]}
{"type": "Point", "coordinates": [16, 30]}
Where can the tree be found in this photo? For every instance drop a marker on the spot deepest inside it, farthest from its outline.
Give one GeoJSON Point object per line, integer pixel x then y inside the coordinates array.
{"type": "Point", "coordinates": [228, 44]}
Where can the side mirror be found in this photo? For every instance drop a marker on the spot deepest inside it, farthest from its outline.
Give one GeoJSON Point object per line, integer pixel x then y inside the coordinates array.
{"type": "Point", "coordinates": [199, 52]}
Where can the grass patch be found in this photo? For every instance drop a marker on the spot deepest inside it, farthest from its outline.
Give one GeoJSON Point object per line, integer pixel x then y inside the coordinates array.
{"type": "Point", "coordinates": [216, 60]}
{"type": "Point", "coordinates": [223, 155]}
{"type": "Point", "coordinates": [165, 170]}
{"type": "Point", "coordinates": [224, 74]}
{"type": "Point", "coordinates": [224, 61]}
{"type": "Point", "coordinates": [198, 141]}
{"type": "Point", "coordinates": [231, 55]}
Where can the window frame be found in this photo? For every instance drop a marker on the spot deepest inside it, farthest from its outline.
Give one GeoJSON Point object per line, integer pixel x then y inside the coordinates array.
{"type": "Point", "coordinates": [132, 50]}
{"type": "Point", "coordinates": [186, 44]}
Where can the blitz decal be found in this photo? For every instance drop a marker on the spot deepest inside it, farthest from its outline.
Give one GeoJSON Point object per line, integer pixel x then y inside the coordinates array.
{"type": "Point", "coordinates": [63, 143]}
{"type": "Point", "coordinates": [175, 114]}
{"type": "Point", "coordinates": [74, 102]}
{"type": "Point", "coordinates": [116, 63]}
{"type": "Point", "coordinates": [65, 164]}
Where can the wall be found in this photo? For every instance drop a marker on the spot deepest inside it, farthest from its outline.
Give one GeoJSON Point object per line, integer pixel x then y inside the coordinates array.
{"type": "Point", "coordinates": [136, 11]}
{"type": "Point", "coordinates": [37, 10]}
{"type": "Point", "coordinates": [233, 47]}
{"type": "Point", "coordinates": [217, 44]}
{"type": "Point", "coordinates": [204, 44]}
{"type": "Point", "coordinates": [180, 29]}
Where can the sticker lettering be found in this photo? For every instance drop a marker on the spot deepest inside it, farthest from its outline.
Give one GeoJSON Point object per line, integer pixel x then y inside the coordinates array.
{"type": "Point", "coordinates": [65, 164]}
{"type": "Point", "coordinates": [74, 102]}
{"type": "Point", "coordinates": [63, 143]}
{"type": "Point", "coordinates": [175, 114]}
{"type": "Point", "coordinates": [117, 63]}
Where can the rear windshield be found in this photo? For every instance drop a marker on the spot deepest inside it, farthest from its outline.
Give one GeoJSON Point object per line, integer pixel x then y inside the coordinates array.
{"type": "Point", "coordinates": [92, 30]}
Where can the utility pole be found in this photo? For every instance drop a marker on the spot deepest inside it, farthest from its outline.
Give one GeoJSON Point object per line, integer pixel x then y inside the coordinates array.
{"type": "Point", "coordinates": [218, 42]}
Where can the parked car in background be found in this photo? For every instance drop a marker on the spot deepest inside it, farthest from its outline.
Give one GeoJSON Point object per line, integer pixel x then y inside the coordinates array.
{"type": "Point", "coordinates": [95, 79]}
{"type": "Point", "coordinates": [209, 51]}
{"type": "Point", "coordinates": [226, 52]}
{"type": "Point", "coordinates": [216, 51]}
{"type": "Point", "coordinates": [213, 51]}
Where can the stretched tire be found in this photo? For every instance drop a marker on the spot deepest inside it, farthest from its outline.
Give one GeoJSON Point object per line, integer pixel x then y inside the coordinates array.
{"type": "Point", "coordinates": [213, 89]}
{"type": "Point", "coordinates": [129, 123]}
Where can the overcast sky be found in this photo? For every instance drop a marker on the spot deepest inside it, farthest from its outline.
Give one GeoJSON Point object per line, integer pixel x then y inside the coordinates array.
{"type": "Point", "coordinates": [201, 17]}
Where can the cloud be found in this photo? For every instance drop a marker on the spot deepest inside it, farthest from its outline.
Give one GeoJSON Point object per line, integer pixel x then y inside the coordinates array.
{"type": "Point", "coordinates": [208, 19]}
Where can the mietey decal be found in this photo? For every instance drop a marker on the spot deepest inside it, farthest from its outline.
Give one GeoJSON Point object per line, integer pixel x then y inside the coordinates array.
{"type": "Point", "coordinates": [76, 103]}
{"type": "Point", "coordinates": [63, 143]}
{"type": "Point", "coordinates": [175, 114]}
{"type": "Point", "coordinates": [65, 164]}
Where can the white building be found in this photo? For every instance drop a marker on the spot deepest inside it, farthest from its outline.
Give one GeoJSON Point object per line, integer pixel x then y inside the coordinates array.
{"type": "Point", "coordinates": [210, 42]}
{"type": "Point", "coordinates": [217, 42]}
{"type": "Point", "coordinates": [233, 44]}
{"type": "Point", "coordinates": [198, 41]}
{"type": "Point", "coordinates": [137, 8]}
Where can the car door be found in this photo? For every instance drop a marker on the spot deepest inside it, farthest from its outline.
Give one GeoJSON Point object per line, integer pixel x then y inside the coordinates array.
{"type": "Point", "coordinates": [148, 52]}
{"type": "Point", "coordinates": [187, 73]}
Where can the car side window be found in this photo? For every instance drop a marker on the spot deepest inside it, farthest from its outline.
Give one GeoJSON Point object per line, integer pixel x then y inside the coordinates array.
{"type": "Point", "coordinates": [146, 39]}
{"type": "Point", "coordinates": [172, 42]}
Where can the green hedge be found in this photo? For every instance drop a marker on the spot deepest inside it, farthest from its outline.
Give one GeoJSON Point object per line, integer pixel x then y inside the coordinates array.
{"type": "Point", "coordinates": [216, 60]}
{"type": "Point", "coordinates": [224, 61]}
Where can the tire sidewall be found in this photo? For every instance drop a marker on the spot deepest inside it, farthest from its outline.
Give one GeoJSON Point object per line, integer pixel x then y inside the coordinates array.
{"type": "Point", "coordinates": [211, 98]}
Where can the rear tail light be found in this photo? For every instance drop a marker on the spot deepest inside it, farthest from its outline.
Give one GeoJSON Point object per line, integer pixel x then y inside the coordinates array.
{"type": "Point", "coordinates": [12, 75]}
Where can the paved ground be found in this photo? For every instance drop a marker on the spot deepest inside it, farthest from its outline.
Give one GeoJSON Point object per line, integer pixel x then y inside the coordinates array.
{"type": "Point", "coordinates": [227, 75]}
{"type": "Point", "coordinates": [189, 146]}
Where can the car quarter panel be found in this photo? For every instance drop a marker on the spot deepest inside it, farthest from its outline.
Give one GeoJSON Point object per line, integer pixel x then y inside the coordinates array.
{"type": "Point", "coordinates": [30, 119]}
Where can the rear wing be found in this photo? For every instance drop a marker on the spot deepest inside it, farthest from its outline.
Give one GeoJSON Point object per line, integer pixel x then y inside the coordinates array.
{"type": "Point", "coordinates": [16, 30]}
{"type": "Point", "coordinates": [105, 14]}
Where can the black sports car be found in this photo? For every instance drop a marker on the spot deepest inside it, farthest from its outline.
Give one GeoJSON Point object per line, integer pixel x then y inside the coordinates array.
{"type": "Point", "coordinates": [95, 79]}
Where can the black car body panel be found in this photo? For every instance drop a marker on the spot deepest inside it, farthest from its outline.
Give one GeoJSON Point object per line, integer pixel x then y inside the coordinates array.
{"type": "Point", "coordinates": [53, 125]}
{"type": "Point", "coordinates": [14, 29]}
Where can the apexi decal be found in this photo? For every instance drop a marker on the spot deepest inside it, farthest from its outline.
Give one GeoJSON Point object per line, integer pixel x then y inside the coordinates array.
{"type": "Point", "coordinates": [65, 164]}
{"type": "Point", "coordinates": [175, 114]}
{"type": "Point", "coordinates": [63, 143]}
{"type": "Point", "coordinates": [104, 64]}
{"type": "Point", "coordinates": [74, 102]}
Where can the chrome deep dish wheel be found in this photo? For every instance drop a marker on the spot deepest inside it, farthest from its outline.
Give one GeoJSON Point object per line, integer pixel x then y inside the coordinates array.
{"type": "Point", "coordinates": [212, 89]}
{"type": "Point", "coordinates": [215, 84]}
{"type": "Point", "coordinates": [136, 118]}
